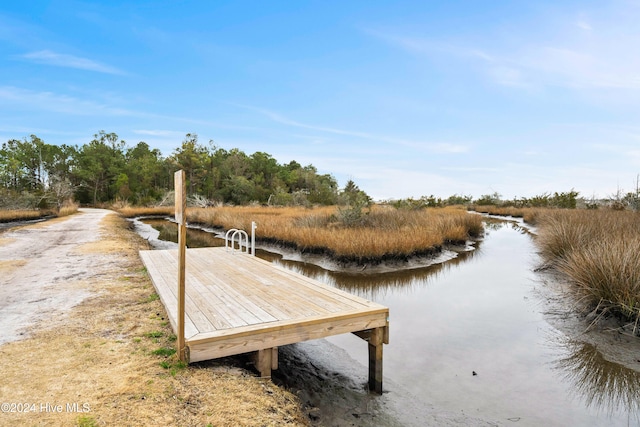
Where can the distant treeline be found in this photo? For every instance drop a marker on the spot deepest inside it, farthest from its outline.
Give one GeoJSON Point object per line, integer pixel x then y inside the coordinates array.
{"type": "Point", "coordinates": [563, 200]}
{"type": "Point", "coordinates": [567, 200]}
{"type": "Point", "coordinates": [106, 169]}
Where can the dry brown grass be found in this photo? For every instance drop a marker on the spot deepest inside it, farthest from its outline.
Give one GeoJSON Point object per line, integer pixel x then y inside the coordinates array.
{"type": "Point", "coordinates": [500, 210]}
{"type": "Point", "coordinates": [101, 355]}
{"type": "Point", "coordinates": [132, 211]}
{"type": "Point", "coordinates": [68, 208]}
{"type": "Point", "coordinates": [22, 215]}
{"type": "Point", "coordinates": [597, 250]}
{"type": "Point", "coordinates": [384, 232]}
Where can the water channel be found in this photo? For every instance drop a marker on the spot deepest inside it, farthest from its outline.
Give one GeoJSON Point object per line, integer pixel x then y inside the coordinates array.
{"type": "Point", "coordinates": [472, 343]}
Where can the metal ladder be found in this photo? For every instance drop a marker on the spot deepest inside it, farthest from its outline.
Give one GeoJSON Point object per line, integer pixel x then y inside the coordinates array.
{"type": "Point", "coordinates": [236, 235]}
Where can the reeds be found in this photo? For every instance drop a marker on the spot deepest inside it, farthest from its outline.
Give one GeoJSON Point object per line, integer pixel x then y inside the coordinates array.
{"type": "Point", "coordinates": [382, 233]}
{"type": "Point", "coordinates": [598, 252]}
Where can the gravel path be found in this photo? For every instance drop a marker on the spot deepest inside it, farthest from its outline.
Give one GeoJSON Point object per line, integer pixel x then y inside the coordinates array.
{"type": "Point", "coordinates": [42, 268]}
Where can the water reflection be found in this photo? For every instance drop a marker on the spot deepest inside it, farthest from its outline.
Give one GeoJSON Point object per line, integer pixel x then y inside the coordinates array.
{"type": "Point", "coordinates": [493, 223]}
{"type": "Point", "coordinates": [604, 385]}
{"type": "Point", "coordinates": [376, 286]}
{"type": "Point", "coordinates": [195, 238]}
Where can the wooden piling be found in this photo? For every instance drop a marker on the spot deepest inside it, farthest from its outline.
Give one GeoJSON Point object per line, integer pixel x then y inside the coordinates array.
{"type": "Point", "coordinates": [180, 186]}
{"type": "Point", "coordinates": [376, 340]}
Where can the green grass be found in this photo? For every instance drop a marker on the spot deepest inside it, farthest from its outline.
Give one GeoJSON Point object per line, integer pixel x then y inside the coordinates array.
{"type": "Point", "coordinates": [173, 366]}
{"type": "Point", "coordinates": [164, 351]}
{"type": "Point", "coordinates": [87, 421]}
{"type": "Point", "coordinates": [153, 297]}
{"type": "Point", "coordinates": [154, 334]}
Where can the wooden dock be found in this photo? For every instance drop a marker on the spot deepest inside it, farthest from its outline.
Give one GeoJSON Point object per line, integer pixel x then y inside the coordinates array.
{"type": "Point", "coordinates": [237, 303]}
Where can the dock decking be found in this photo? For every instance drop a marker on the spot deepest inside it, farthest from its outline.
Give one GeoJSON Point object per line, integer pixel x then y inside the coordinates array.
{"type": "Point", "coordinates": [237, 303]}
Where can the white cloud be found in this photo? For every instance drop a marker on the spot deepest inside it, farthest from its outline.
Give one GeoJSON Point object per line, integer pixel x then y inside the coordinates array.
{"type": "Point", "coordinates": [578, 53]}
{"type": "Point", "coordinates": [435, 147]}
{"type": "Point", "coordinates": [584, 25]}
{"type": "Point", "coordinates": [48, 57]}
{"type": "Point", "coordinates": [443, 147]}
{"type": "Point", "coordinates": [49, 101]}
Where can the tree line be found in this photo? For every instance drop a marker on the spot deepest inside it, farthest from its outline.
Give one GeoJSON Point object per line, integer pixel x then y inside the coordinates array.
{"type": "Point", "coordinates": [107, 169]}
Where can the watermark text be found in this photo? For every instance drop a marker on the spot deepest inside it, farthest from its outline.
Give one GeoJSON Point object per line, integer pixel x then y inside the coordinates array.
{"type": "Point", "coordinates": [44, 407]}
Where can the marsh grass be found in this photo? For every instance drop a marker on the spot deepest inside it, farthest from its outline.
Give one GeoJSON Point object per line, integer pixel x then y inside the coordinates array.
{"type": "Point", "coordinates": [22, 215]}
{"type": "Point", "coordinates": [383, 232]}
{"type": "Point", "coordinates": [68, 208]}
{"type": "Point", "coordinates": [133, 211]}
{"type": "Point", "coordinates": [598, 252]}
{"type": "Point", "coordinates": [500, 210]}
{"type": "Point", "coordinates": [11, 215]}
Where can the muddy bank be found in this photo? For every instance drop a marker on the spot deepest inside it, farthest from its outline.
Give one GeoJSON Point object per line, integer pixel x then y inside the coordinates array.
{"type": "Point", "coordinates": [616, 339]}
{"type": "Point", "coordinates": [6, 225]}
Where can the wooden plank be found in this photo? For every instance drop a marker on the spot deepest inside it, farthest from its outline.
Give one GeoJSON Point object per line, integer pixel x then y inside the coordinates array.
{"type": "Point", "coordinates": [220, 287]}
{"type": "Point", "coordinates": [275, 299]}
{"type": "Point", "coordinates": [163, 264]}
{"type": "Point", "coordinates": [166, 292]}
{"type": "Point", "coordinates": [219, 304]}
{"type": "Point", "coordinates": [244, 340]}
{"type": "Point", "coordinates": [317, 286]}
{"type": "Point", "coordinates": [313, 299]}
{"type": "Point", "coordinates": [271, 303]}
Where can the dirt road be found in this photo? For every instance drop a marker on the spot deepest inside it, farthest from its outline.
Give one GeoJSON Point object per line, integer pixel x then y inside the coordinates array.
{"type": "Point", "coordinates": [42, 270]}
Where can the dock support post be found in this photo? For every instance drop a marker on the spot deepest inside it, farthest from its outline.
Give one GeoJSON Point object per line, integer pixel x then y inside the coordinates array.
{"type": "Point", "coordinates": [266, 360]}
{"type": "Point", "coordinates": [376, 340]}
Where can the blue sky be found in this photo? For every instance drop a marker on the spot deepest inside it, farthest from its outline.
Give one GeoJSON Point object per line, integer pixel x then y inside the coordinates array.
{"type": "Point", "coordinates": [407, 98]}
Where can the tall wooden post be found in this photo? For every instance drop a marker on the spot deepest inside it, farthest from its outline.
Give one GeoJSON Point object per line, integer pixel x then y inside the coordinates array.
{"type": "Point", "coordinates": [180, 186]}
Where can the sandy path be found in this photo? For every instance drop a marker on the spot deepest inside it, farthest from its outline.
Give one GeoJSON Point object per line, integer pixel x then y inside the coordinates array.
{"type": "Point", "coordinates": [42, 269]}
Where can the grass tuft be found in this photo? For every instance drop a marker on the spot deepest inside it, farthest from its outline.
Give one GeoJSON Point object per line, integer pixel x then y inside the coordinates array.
{"type": "Point", "coordinates": [155, 334]}
{"type": "Point", "coordinates": [597, 251]}
{"type": "Point", "coordinates": [164, 351]}
{"type": "Point", "coordinates": [68, 208]}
